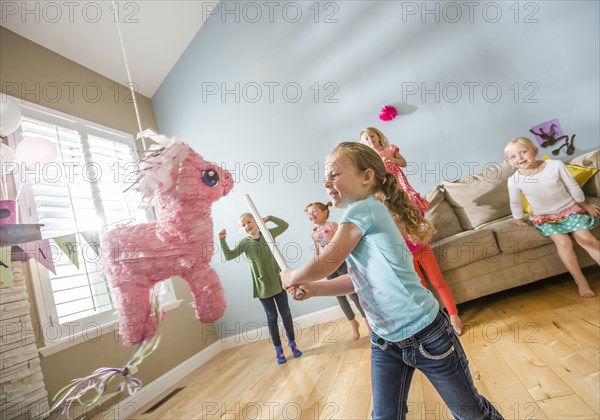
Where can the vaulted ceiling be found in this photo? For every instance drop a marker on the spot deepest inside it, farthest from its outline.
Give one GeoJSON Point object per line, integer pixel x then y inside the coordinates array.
{"type": "Point", "coordinates": [154, 34]}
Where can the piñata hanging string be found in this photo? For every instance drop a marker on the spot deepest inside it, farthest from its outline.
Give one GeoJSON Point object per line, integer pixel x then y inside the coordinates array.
{"type": "Point", "coordinates": [135, 105]}
{"type": "Point", "coordinates": [88, 390]}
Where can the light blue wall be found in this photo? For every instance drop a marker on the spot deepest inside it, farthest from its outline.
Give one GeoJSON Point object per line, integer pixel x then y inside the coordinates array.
{"type": "Point", "coordinates": [367, 54]}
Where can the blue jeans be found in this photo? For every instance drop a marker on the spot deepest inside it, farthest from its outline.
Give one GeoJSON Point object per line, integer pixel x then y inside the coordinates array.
{"type": "Point", "coordinates": [270, 305]}
{"type": "Point", "coordinates": [436, 351]}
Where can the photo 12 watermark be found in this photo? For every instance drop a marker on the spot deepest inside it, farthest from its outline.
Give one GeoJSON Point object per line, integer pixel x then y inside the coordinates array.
{"type": "Point", "coordinates": [290, 410]}
{"type": "Point", "coordinates": [489, 12]}
{"type": "Point", "coordinates": [83, 410]}
{"type": "Point", "coordinates": [436, 171]}
{"type": "Point", "coordinates": [492, 332]}
{"type": "Point", "coordinates": [269, 92]}
{"type": "Point", "coordinates": [71, 92]}
{"type": "Point", "coordinates": [440, 411]}
{"type": "Point", "coordinates": [62, 12]}
{"type": "Point", "coordinates": [125, 173]}
{"type": "Point", "coordinates": [322, 12]}
{"type": "Point", "coordinates": [251, 172]}
{"type": "Point", "coordinates": [453, 92]}
{"type": "Point", "coordinates": [252, 332]}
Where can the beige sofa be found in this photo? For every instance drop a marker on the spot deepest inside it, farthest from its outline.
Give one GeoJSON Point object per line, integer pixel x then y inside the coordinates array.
{"type": "Point", "coordinates": [480, 249]}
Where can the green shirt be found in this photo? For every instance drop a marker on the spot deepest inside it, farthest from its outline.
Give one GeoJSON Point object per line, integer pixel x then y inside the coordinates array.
{"type": "Point", "coordinates": [263, 267]}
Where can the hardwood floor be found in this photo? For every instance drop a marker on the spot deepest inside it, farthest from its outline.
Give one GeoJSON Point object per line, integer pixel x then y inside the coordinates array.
{"type": "Point", "coordinates": [533, 351]}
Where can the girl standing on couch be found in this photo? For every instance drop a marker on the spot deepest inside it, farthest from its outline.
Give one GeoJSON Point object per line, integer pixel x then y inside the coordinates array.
{"type": "Point", "coordinates": [318, 213]}
{"type": "Point", "coordinates": [409, 330]}
{"type": "Point", "coordinates": [558, 206]}
{"type": "Point", "coordinates": [424, 260]}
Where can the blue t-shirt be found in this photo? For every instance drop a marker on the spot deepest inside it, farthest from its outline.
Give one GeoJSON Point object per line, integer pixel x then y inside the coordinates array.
{"type": "Point", "coordinates": [381, 266]}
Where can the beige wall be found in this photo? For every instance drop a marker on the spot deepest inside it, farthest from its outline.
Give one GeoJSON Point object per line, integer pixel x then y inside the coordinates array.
{"type": "Point", "coordinates": [31, 72]}
{"type": "Point", "coordinates": [36, 74]}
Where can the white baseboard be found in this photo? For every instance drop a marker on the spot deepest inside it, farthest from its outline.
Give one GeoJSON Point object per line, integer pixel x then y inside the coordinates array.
{"type": "Point", "coordinates": [304, 321]}
{"type": "Point", "coordinates": [153, 390]}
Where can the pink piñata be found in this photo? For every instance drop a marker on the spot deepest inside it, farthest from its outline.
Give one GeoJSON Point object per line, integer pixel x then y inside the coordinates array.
{"type": "Point", "coordinates": [178, 243]}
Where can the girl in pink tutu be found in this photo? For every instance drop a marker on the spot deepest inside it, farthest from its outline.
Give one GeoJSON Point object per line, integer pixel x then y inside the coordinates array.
{"type": "Point", "coordinates": [424, 260]}
{"type": "Point", "coordinates": [558, 206]}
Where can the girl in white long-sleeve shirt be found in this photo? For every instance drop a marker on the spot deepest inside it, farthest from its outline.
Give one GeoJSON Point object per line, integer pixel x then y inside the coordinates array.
{"type": "Point", "coordinates": [558, 206]}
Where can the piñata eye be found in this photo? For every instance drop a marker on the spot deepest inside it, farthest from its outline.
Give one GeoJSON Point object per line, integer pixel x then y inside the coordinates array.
{"type": "Point", "coordinates": [210, 177]}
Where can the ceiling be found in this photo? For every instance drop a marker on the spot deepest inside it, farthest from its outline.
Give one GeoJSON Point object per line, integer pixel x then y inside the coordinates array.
{"type": "Point", "coordinates": [155, 33]}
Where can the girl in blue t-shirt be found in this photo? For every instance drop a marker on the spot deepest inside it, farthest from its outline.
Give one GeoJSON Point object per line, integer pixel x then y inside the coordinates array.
{"type": "Point", "coordinates": [409, 330]}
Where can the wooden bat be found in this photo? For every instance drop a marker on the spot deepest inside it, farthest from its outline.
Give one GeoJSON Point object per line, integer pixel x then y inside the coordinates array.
{"type": "Point", "coordinates": [269, 238]}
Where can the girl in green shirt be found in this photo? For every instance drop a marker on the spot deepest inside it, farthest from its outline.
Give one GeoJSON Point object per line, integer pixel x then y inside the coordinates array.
{"type": "Point", "coordinates": [265, 277]}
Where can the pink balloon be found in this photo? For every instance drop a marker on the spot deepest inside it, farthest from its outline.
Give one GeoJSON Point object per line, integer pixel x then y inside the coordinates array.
{"type": "Point", "coordinates": [36, 150]}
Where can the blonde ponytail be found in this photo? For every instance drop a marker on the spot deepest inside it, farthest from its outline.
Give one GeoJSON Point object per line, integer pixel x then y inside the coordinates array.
{"type": "Point", "coordinates": [386, 189]}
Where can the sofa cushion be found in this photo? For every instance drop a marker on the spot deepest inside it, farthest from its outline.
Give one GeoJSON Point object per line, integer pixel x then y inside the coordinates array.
{"type": "Point", "coordinates": [591, 160]}
{"type": "Point", "coordinates": [505, 271]}
{"type": "Point", "coordinates": [465, 248]}
{"type": "Point", "coordinates": [512, 238]}
{"type": "Point", "coordinates": [441, 215]}
{"type": "Point", "coordinates": [482, 197]}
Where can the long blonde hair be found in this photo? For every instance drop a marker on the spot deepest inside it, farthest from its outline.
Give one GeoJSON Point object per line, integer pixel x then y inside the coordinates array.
{"type": "Point", "coordinates": [383, 141]}
{"type": "Point", "coordinates": [386, 189]}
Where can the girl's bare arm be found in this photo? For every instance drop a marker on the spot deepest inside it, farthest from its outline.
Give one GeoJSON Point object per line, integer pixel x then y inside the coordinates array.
{"type": "Point", "coordinates": [344, 241]}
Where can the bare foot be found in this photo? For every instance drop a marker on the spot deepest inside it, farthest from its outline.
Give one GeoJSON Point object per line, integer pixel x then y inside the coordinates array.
{"type": "Point", "coordinates": [456, 324]}
{"type": "Point", "coordinates": [355, 331]}
{"type": "Point", "coordinates": [586, 293]}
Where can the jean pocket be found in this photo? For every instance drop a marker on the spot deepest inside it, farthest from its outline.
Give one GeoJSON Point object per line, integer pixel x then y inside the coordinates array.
{"type": "Point", "coordinates": [380, 343]}
{"type": "Point", "coordinates": [437, 350]}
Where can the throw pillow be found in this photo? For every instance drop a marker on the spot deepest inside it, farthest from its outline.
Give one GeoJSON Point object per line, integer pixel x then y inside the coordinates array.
{"type": "Point", "coordinates": [590, 160]}
{"type": "Point", "coordinates": [482, 197]}
{"type": "Point", "coordinates": [441, 215]}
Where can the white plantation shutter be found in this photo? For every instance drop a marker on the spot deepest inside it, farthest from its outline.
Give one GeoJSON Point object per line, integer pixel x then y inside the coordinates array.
{"type": "Point", "coordinates": [64, 204]}
{"type": "Point", "coordinates": [82, 191]}
{"type": "Point", "coordinates": [113, 166]}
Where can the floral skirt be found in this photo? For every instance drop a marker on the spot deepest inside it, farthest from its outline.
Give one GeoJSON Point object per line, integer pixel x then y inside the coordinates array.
{"type": "Point", "coordinates": [569, 220]}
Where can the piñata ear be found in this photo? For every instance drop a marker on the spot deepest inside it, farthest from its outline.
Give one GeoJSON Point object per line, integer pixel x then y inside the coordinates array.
{"type": "Point", "coordinates": [161, 166]}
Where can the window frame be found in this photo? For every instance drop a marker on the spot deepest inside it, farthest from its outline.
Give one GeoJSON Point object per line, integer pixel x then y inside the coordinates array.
{"type": "Point", "coordinates": [55, 336]}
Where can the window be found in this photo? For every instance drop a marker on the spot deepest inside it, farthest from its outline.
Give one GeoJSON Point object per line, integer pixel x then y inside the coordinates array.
{"type": "Point", "coordinates": [81, 194]}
